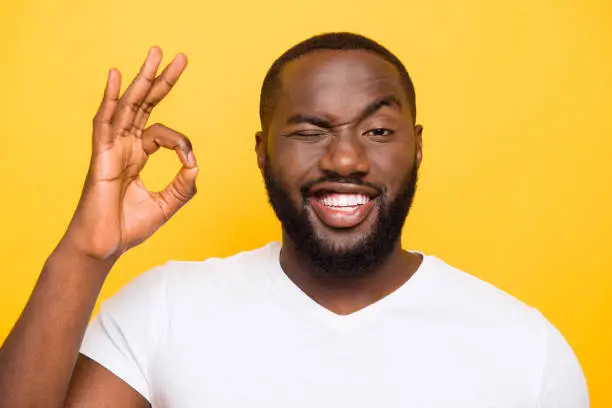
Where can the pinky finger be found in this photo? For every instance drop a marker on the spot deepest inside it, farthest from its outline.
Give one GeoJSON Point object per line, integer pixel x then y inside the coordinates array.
{"type": "Point", "coordinates": [107, 108]}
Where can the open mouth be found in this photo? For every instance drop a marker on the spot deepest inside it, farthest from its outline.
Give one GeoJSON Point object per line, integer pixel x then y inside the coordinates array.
{"type": "Point", "coordinates": [340, 205]}
{"type": "Point", "coordinates": [343, 202]}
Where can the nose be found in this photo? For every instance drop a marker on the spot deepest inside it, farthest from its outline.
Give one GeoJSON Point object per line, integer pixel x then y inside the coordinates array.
{"type": "Point", "coordinates": [346, 156]}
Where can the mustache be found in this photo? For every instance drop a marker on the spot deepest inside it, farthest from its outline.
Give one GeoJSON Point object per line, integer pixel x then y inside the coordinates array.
{"type": "Point", "coordinates": [336, 178]}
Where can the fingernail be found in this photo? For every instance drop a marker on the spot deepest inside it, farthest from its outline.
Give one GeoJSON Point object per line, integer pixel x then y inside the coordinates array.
{"type": "Point", "coordinates": [151, 51]}
{"type": "Point", "coordinates": [191, 157]}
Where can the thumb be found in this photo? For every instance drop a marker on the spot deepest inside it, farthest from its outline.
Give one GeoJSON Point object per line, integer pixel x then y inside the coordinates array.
{"type": "Point", "coordinates": [179, 191]}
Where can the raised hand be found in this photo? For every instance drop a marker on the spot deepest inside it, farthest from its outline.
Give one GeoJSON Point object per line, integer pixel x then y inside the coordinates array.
{"type": "Point", "coordinates": [116, 211]}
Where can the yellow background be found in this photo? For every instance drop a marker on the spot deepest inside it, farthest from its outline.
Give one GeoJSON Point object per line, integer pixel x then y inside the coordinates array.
{"type": "Point", "coordinates": [515, 97]}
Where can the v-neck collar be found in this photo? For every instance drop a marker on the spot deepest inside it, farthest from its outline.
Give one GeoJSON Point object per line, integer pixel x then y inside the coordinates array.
{"type": "Point", "coordinates": [292, 296]}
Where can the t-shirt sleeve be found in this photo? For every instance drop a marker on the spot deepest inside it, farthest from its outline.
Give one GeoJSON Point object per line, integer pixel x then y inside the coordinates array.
{"type": "Point", "coordinates": [563, 382]}
{"type": "Point", "coordinates": [123, 335]}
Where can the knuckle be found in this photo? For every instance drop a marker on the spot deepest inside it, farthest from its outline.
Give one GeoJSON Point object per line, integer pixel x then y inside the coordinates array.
{"type": "Point", "coordinates": [180, 194]}
{"type": "Point", "coordinates": [166, 210]}
{"type": "Point", "coordinates": [133, 106]}
{"type": "Point", "coordinates": [167, 82]}
{"type": "Point", "coordinates": [152, 130]}
{"type": "Point", "coordinates": [144, 77]}
{"type": "Point", "coordinates": [147, 107]}
{"type": "Point", "coordinates": [137, 131]}
{"type": "Point", "coordinates": [98, 121]}
{"type": "Point", "coordinates": [181, 143]}
{"type": "Point", "coordinates": [187, 142]}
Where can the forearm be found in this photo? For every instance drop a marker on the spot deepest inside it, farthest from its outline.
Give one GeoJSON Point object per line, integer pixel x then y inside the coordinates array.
{"type": "Point", "coordinates": [116, 212]}
{"type": "Point", "coordinates": [38, 357]}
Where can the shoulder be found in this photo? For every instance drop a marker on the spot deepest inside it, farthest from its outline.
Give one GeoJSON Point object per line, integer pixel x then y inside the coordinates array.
{"type": "Point", "coordinates": [246, 265]}
{"type": "Point", "coordinates": [177, 280]}
{"type": "Point", "coordinates": [510, 328]}
{"type": "Point", "coordinates": [217, 281]}
{"type": "Point", "coordinates": [470, 297]}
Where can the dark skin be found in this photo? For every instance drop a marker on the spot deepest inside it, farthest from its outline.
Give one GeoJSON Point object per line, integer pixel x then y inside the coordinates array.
{"type": "Point", "coordinates": [40, 365]}
{"type": "Point", "coordinates": [342, 112]}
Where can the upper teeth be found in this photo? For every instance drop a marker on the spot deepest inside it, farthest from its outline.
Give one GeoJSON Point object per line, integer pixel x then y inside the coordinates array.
{"type": "Point", "coordinates": [344, 200]}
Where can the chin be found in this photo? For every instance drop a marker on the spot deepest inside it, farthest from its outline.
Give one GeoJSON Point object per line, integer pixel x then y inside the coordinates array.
{"type": "Point", "coordinates": [341, 248]}
{"type": "Point", "coordinates": [342, 245]}
{"type": "Point", "coordinates": [343, 253]}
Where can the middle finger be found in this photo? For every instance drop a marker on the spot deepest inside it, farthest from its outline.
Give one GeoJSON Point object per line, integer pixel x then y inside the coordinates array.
{"type": "Point", "coordinates": [137, 91]}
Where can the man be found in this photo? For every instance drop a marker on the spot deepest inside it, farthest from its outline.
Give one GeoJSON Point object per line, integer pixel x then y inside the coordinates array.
{"type": "Point", "coordinates": [338, 315]}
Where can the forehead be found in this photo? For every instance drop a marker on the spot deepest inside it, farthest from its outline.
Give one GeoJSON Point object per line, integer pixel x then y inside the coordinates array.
{"type": "Point", "coordinates": [337, 81]}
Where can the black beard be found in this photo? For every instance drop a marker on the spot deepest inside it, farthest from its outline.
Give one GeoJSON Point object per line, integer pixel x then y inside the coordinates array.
{"type": "Point", "coordinates": [365, 255]}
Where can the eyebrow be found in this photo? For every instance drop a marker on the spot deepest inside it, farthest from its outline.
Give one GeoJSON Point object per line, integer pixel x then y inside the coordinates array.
{"type": "Point", "coordinates": [372, 108]}
{"type": "Point", "coordinates": [390, 100]}
{"type": "Point", "coordinates": [313, 120]}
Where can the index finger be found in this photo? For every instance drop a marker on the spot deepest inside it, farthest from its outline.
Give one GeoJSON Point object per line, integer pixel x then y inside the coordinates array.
{"type": "Point", "coordinates": [135, 94]}
{"type": "Point", "coordinates": [102, 120]}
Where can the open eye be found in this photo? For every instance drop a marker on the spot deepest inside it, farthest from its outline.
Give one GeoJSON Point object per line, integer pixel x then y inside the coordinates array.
{"type": "Point", "coordinates": [379, 132]}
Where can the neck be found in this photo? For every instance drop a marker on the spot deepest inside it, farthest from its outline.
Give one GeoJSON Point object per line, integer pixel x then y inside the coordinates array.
{"type": "Point", "coordinates": [345, 295]}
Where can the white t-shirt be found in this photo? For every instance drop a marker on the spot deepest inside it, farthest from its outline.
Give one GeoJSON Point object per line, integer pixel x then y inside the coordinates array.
{"type": "Point", "coordinates": [237, 332]}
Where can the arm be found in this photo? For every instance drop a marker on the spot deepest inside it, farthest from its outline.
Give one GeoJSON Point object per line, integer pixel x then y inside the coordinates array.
{"type": "Point", "coordinates": [115, 213]}
{"type": "Point", "coordinates": [94, 386]}
{"type": "Point", "coordinates": [37, 359]}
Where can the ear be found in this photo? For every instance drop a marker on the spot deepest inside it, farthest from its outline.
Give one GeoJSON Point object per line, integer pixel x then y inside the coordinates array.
{"type": "Point", "coordinates": [260, 149]}
{"type": "Point", "coordinates": [418, 141]}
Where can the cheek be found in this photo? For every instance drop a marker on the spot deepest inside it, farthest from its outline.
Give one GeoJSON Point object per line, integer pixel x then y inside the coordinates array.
{"type": "Point", "coordinates": [295, 164]}
{"type": "Point", "coordinates": [392, 166]}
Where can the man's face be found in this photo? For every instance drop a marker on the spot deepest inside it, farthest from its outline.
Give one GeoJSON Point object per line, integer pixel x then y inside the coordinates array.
{"type": "Point", "coordinates": [340, 159]}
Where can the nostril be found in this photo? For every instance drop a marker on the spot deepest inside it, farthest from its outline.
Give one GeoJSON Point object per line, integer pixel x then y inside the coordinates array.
{"type": "Point", "coordinates": [346, 159]}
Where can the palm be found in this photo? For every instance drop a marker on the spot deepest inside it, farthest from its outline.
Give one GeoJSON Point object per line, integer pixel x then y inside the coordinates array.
{"type": "Point", "coordinates": [116, 211]}
{"type": "Point", "coordinates": [119, 175]}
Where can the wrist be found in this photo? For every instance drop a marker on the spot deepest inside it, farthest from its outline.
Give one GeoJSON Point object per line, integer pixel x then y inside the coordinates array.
{"type": "Point", "coordinates": [66, 254]}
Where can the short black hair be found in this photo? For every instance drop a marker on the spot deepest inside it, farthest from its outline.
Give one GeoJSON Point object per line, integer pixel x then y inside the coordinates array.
{"type": "Point", "coordinates": [328, 41]}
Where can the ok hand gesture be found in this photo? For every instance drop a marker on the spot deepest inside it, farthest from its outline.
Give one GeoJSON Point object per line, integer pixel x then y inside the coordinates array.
{"type": "Point", "coordinates": [116, 211]}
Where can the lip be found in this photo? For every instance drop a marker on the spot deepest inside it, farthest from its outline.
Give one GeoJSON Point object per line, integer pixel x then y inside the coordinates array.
{"type": "Point", "coordinates": [343, 217]}
{"type": "Point", "coordinates": [342, 188]}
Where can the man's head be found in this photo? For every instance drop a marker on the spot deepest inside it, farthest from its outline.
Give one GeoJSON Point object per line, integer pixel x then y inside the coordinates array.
{"type": "Point", "coordinates": [339, 150]}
